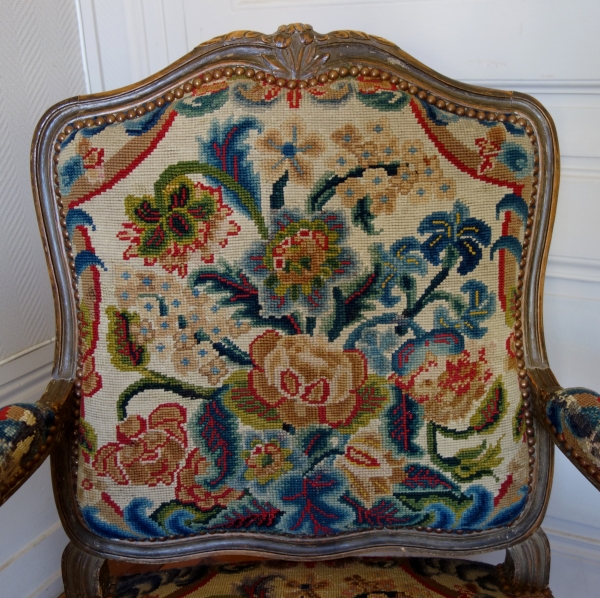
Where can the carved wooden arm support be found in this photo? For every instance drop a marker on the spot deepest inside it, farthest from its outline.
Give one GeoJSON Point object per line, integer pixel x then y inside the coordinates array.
{"type": "Point", "coordinates": [527, 564]}
{"type": "Point", "coordinates": [27, 434]}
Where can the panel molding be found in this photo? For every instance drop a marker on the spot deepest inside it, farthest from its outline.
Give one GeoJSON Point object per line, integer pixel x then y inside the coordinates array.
{"type": "Point", "coordinates": [580, 547]}
{"type": "Point", "coordinates": [262, 4]}
{"type": "Point", "coordinates": [24, 378]}
{"type": "Point", "coordinates": [573, 268]}
{"type": "Point", "coordinates": [542, 86]}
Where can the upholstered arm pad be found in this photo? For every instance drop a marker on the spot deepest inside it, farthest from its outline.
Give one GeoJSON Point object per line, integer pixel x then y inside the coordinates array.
{"type": "Point", "coordinates": [575, 414]}
{"type": "Point", "coordinates": [26, 429]}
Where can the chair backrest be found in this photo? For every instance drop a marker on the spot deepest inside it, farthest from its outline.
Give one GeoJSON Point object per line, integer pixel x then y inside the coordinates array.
{"type": "Point", "coordinates": [298, 279]}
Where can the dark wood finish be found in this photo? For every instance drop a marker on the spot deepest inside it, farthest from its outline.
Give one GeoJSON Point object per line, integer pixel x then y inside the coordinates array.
{"type": "Point", "coordinates": [297, 56]}
{"type": "Point", "coordinates": [84, 576]}
{"type": "Point", "coordinates": [528, 564]}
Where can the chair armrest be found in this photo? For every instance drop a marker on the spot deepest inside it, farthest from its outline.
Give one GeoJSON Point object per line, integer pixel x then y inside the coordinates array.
{"type": "Point", "coordinates": [573, 416]}
{"type": "Point", "coordinates": [27, 432]}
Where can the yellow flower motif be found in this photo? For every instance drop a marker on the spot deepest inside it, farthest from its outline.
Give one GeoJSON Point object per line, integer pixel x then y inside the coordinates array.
{"type": "Point", "coordinates": [266, 461]}
{"type": "Point", "coordinates": [413, 151]}
{"type": "Point", "coordinates": [142, 331]}
{"type": "Point", "coordinates": [370, 468]}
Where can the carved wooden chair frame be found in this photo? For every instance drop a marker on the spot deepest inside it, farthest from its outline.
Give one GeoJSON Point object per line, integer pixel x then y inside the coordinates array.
{"type": "Point", "coordinates": [296, 56]}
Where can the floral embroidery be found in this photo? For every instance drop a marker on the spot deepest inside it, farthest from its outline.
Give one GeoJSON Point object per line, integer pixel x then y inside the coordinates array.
{"type": "Point", "coordinates": [372, 471]}
{"type": "Point", "coordinates": [306, 379]}
{"type": "Point", "coordinates": [306, 588]}
{"type": "Point", "coordinates": [187, 218]}
{"type": "Point", "coordinates": [299, 323]}
{"type": "Point", "coordinates": [290, 149]}
{"type": "Point", "coordinates": [147, 452]}
{"type": "Point", "coordinates": [190, 491]}
{"type": "Point", "coordinates": [297, 267]}
{"type": "Point", "coordinates": [449, 386]}
{"type": "Point", "coordinates": [267, 461]}
{"type": "Point", "coordinates": [339, 578]}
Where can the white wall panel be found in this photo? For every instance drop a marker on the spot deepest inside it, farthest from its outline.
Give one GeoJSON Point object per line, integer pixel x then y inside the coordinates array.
{"type": "Point", "coordinates": [40, 64]}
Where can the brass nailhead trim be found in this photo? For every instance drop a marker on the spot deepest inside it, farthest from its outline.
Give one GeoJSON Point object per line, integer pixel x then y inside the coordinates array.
{"type": "Point", "coordinates": [321, 79]}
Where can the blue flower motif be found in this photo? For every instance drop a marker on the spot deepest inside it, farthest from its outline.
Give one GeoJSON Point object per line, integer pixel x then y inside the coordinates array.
{"type": "Point", "coordinates": [269, 459]}
{"type": "Point", "coordinates": [377, 346]}
{"type": "Point", "coordinates": [482, 305]}
{"type": "Point", "coordinates": [403, 259]}
{"type": "Point", "coordinates": [413, 352]}
{"type": "Point", "coordinates": [456, 230]}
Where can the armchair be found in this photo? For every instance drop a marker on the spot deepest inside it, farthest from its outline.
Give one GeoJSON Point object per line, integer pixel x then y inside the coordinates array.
{"type": "Point", "coordinates": [298, 284]}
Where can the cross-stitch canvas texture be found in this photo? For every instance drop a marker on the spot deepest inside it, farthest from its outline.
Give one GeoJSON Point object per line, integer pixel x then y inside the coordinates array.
{"type": "Point", "coordinates": [344, 578]}
{"type": "Point", "coordinates": [297, 313]}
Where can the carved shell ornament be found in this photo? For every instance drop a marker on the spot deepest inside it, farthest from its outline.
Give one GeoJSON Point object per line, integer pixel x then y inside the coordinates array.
{"type": "Point", "coordinates": [293, 51]}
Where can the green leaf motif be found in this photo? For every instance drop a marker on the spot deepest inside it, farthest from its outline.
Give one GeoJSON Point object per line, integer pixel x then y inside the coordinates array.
{"type": "Point", "coordinates": [373, 395]}
{"type": "Point", "coordinates": [467, 464]}
{"type": "Point", "coordinates": [277, 197]}
{"type": "Point", "coordinates": [193, 516]}
{"type": "Point", "coordinates": [88, 439]}
{"type": "Point", "coordinates": [492, 409]}
{"type": "Point", "coordinates": [204, 104]}
{"type": "Point", "coordinates": [477, 462]}
{"type": "Point", "coordinates": [126, 355]}
{"type": "Point", "coordinates": [518, 426]}
{"type": "Point", "coordinates": [419, 503]}
{"type": "Point", "coordinates": [249, 408]}
{"type": "Point", "coordinates": [385, 100]}
{"type": "Point", "coordinates": [362, 215]}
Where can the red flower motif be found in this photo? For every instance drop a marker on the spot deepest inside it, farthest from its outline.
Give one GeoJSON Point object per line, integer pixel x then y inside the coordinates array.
{"type": "Point", "coordinates": [448, 386]}
{"type": "Point", "coordinates": [147, 452]}
{"type": "Point", "coordinates": [189, 491]}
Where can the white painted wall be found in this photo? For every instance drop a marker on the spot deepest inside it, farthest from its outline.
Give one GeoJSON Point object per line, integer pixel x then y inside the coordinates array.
{"type": "Point", "coordinates": [548, 48]}
{"type": "Point", "coordinates": [40, 64]}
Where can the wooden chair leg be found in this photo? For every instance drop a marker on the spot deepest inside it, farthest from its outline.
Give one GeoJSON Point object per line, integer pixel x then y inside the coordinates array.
{"type": "Point", "coordinates": [528, 564]}
{"type": "Point", "coordinates": [84, 576]}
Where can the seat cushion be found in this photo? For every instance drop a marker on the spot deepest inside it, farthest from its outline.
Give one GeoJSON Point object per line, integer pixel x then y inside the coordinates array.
{"type": "Point", "coordinates": [349, 578]}
{"type": "Point", "coordinates": [297, 312]}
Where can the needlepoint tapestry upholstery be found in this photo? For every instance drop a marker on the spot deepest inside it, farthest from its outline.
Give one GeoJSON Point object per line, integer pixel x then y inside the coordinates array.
{"type": "Point", "coordinates": [24, 430]}
{"type": "Point", "coordinates": [344, 578]}
{"type": "Point", "coordinates": [575, 413]}
{"type": "Point", "coordinates": [297, 313]}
